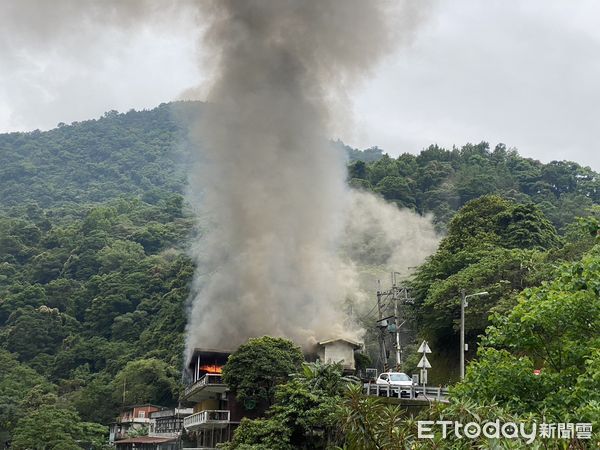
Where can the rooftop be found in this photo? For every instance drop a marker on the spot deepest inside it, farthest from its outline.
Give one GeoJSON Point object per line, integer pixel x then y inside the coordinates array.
{"type": "Point", "coordinates": [210, 354]}
{"type": "Point", "coordinates": [146, 440]}
{"type": "Point", "coordinates": [141, 405]}
{"type": "Point", "coordinates": [355, 344]}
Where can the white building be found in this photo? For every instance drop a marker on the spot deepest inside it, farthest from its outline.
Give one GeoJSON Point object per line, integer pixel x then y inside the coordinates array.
{"type": "Point", "coordinates": [338, 350]}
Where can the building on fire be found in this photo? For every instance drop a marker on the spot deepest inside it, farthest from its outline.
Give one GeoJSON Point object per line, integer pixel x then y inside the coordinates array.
{"type": "Point", "coordinates": [216, 412]}
{"type": "Point", "coordinates": [208, 412]}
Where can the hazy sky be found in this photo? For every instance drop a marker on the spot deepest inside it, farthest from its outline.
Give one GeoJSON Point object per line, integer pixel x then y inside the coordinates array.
{"type": "Point", "coordinates": [525, 73]}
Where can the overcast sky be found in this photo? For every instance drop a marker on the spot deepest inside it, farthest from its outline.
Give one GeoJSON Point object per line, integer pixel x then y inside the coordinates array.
{"type": "Point", "coordinates": [525, 73]}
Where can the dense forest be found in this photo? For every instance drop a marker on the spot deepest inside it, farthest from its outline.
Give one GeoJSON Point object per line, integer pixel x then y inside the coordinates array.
{"type": "Point", "coordinates": [94, 276]}
{"type": "Point", "coordinates": [144, 154]}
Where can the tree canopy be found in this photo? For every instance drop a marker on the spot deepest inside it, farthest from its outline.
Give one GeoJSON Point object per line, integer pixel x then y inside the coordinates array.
{"type": "Point", "coordinates": [254, 370]}
{"type": "Point", "coordinates": [93, 231]}
{"type": "Point", "coordinates": [553, 328]}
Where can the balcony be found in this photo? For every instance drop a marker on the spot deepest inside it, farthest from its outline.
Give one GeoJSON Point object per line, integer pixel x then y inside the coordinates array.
{"type": "Point", "coordinates": [130, 419]}
{"type": "Point", "coordinates": [170, 413]}
{"type": "Point", "coordinates": [205, 387]}
{"type": "Point", "coordinates": [210, 418]}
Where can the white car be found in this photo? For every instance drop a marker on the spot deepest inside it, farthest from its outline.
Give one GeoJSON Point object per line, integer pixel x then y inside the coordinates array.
{"type": "Point", "coordinates": [396, 380]}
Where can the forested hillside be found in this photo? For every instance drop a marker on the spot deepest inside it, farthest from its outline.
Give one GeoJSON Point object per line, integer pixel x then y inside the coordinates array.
{"type": "Point", "coordinates": [139, 153]}
{"type": "Point", "coordinates": [441, 181]}
{"type": "Point", "coordinates": [94, 275]}
{"type": "Point", "coordinates": [145, 153]}
{"type": "Point", "coordinates": [496, 246]}
{"type": "Point", "coordinates": [86, 302]}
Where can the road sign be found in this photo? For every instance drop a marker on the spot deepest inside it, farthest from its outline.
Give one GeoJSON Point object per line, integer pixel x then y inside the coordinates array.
{"type": "Point", "coordinates": [424, 348]}
{"type": "Point", "coordinates": [424, 363]}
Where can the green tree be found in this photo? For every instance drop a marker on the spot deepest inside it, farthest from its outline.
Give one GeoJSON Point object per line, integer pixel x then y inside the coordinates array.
{"type": "Point", "coordinates": [357, 169]}
{"type": "Point", "coordinates": [120, 256]}
{"type": "Point", "coordinates": [103, 311]}
{"type": "Point", "coordinates": [305, 413]}
{"type": "Point", "coordinates": [396, 188]}
{"type": "Point", "coordinates": [382, 168]}
{"type": "Point", "coordinates": [254, 370]}
{"type": "Point", "coordinates": [51, 328]}
{"type": "Point", "coordinates": [492, 245]}
{"type": "Point", "coordinates": [146, 381]}
{"type": "Point", "coordinates": [94, 401]}
{"type": "Point", "coordinates": [21, 296]}
{"type": "Point", "coordinates": [552, 328]}
{"type": "Point", "coordinates": [53, 428]}
{"type": "Point", "coordinates": [16, 381]}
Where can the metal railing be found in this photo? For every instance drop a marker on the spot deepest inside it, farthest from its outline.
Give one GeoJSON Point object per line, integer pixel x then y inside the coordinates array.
{"type": "Point", "coordinates": [132, 419]}
{"type": "Point", "coordinates": [209, 416]}
{"type": "Point", "coordinates": [407, 392]}
{"type": "Point", "coordinates": [169, 434]}
{"type": "Point", "coordinates": [207, 380]}
{"type": "Point", "coordinates": [171, 413]}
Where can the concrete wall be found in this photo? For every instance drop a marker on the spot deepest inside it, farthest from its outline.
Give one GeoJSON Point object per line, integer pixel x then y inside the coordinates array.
{"type": "Point", "coordinates": [209, 403]}
{"type": "Point", "coordinates": [336, 352]}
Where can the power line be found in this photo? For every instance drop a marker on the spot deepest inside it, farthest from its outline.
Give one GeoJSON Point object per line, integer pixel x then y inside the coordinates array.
{"type": "Point", "coordinates": [366, 316]}
{"type": "Point", "coordinates": [392, 323]}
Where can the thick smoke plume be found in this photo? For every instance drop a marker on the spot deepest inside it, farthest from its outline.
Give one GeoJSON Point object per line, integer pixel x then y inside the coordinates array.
{"type": "Point", "coordinates": [278, 259]}
{"type": "Point", "coordinates": [379, 237]}
{"type": "Point", "coordinates": [288, 245]}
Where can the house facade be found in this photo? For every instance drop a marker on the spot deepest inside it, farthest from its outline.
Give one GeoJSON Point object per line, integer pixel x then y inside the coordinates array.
{"type": "Point", "coordinates": [339, 351]}
{"type": "Point", "coordinates": [216, 412]}
{"type": "Point", "coordinates": [148, 427]}
{"type": "Point", "coordinates": [147, 443]}
{"type": "Point", "coordinates": [131, 419]}
{"type": "Point", "coordinates": [168, 423]}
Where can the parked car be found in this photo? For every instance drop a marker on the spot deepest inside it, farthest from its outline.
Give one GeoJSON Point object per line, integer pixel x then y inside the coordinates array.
{"type": "Point", "coordinates": [399, 382]}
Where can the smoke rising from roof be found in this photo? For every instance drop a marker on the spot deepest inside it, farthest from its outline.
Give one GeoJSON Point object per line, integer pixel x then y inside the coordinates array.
{"type": "Point", "coordinates": [274, 263]}
{"type": "Point", "coordinates": [288, 240]}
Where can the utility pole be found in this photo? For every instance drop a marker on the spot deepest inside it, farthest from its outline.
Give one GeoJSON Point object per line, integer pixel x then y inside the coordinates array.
{"type": "Point", "coordinates": [382, 348]}
{"type": "Point", "coordinates": [463, 304]}
{"type": "Point", "coordinates": [396, 323]}
{"type": "Point", "coordinates": [124, 383]}
{"type": "Point", "coordinates": [391, 323]}
{"type": "Point", "coordinates": [463, 348]}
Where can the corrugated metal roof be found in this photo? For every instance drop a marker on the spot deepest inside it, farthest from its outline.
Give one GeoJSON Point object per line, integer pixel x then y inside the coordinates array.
{"type": "Point", "coordinates": [349, 341]}
{"type": "Point", "coordinates": [145, 440]}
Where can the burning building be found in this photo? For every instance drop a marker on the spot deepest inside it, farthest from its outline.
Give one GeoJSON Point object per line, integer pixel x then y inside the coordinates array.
{"type": "Point", "coordinates": [216, 412]}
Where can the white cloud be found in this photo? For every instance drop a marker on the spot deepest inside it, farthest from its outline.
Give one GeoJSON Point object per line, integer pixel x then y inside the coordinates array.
{"type": "Point", "coordinates": [522, 73]}
{"type": "Point", "coordinates": [82, 67]}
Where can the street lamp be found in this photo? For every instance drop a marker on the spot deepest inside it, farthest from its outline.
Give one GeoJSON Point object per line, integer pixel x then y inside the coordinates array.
{"type": "Point", "coordinates": [463, 305]}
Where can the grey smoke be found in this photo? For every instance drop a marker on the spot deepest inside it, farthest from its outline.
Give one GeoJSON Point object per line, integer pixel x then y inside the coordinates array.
{"type": "Point", "coordinates": [286, 243]}
{"type": "Point", "coordinates": [281, 257]}
{"type": "Point", "coordinates": [378, 235]}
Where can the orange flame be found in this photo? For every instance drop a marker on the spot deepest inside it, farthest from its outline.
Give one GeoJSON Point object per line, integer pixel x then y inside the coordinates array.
{"type": "Point", "coordinates": [211, 368]}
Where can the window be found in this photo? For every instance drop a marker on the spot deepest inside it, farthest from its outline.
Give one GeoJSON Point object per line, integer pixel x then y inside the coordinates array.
{"type": "Point", "coordinates": [141, 414]}
{"type": "Point", "coordinates": [400, 377]}
{"type": "Point", "coordinates": [384, 376]}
